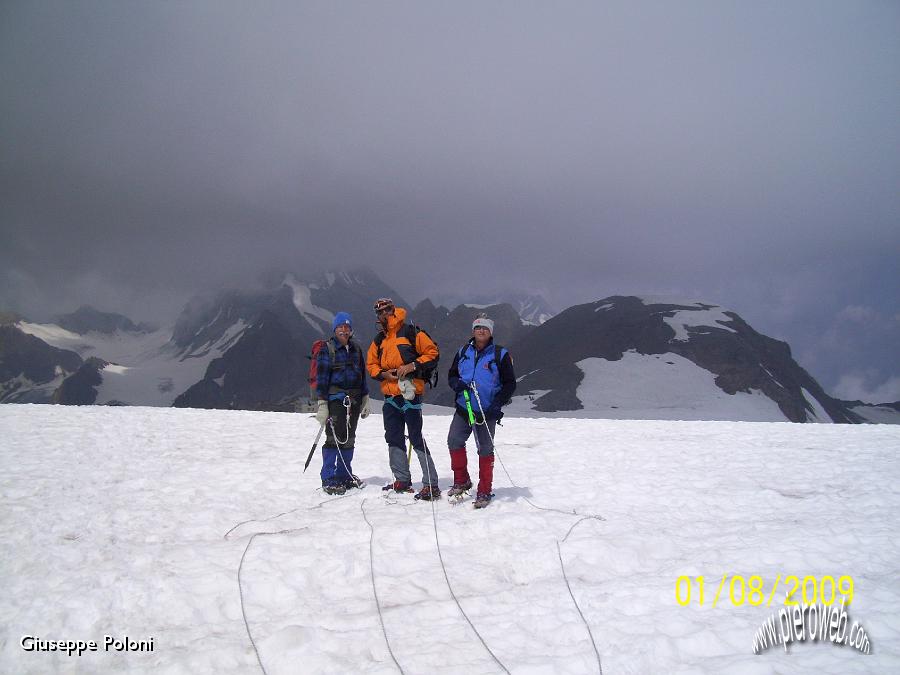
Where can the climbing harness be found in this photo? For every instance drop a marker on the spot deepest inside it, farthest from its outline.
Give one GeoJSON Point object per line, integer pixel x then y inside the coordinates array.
{"type": "Point", "coordinates": [346, 403]}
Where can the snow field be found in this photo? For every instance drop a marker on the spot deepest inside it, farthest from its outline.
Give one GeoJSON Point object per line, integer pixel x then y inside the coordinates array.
{"type": "Point", "coordinates": [115, 522]}
{"type": "Point", "coordinates": [671, 387]}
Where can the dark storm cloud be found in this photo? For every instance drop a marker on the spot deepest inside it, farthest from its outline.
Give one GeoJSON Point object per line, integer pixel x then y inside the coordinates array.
{"type": "Point", "coordinates": [745, 153]}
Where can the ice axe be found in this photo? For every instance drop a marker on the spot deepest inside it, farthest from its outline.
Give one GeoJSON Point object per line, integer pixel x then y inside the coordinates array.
{"type": "Point", "coordinates": [313, 449]}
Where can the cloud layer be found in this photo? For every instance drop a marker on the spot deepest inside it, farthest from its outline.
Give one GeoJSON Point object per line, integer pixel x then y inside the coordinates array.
{"type": "Point", "coordinates": [746, 154]}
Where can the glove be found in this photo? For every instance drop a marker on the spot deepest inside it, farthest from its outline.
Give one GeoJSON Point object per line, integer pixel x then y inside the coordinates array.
{"type": "Point", "coordinates": [493, 412]}
{"type": "Point", "coordinates": [460, 386]}
{"type": "Point", "coordinates": [407, 388]}
{"type": "Point", "coordinates": [364, 407]}
{"type": "Point", "coordinates": [322, 413]}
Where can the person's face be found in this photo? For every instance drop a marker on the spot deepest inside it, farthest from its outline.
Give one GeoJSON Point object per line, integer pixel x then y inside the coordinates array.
{"type": "Point", "coordinates": [342, 333]}
{"type": "Point", "coordinates": [383, 314]}
{"type": "Point", "coordinates": [482, 335]}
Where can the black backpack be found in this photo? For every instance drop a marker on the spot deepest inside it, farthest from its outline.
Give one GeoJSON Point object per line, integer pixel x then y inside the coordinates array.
{"type": "Point", "coordinates": [426, 371]}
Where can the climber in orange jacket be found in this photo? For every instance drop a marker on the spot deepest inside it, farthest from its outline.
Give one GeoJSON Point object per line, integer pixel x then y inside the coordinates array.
{"type": "Point", "coordinates": [399, 357]}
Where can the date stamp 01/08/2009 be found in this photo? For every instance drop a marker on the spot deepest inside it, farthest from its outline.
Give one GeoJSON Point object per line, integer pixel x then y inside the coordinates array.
{"type": "Point", "coordinates": [108, 643]}
{"type": "Point", "coordinates": [753, 591]}
{"type": "Point", "coordinates": [814, 607]}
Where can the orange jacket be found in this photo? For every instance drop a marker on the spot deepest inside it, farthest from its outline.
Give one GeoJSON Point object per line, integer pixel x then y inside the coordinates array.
{"type": "Point", "coordinates": [390, 354]}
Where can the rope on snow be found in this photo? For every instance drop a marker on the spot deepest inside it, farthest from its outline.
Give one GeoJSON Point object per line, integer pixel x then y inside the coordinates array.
{"type": "Point", "coordinates": [545, 508]}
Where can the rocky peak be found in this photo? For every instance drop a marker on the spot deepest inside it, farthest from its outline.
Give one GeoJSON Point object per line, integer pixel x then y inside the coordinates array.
{"type": "Point", "coordinates": [717, 340]}
{"type": "Point", "coordinates": [87, 319]}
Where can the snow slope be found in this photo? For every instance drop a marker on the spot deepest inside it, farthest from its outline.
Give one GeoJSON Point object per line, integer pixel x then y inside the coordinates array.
{"type": "Point", "coordinates": [304, 304]}
{"type": "Point", "coordinates": [115, 522]}
{"type": "Point", "coordinates": [641, 386]}
{"type": "Point", "coordinates": [656, 387]}
{"type": "Point", "coordinates": [877, 414]}
{"type": "Point", "coordinates": [146, 368]}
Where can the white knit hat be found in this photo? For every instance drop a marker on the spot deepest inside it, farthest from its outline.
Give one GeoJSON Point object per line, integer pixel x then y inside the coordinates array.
{"type": "Point", "coordinates": [482, 320]}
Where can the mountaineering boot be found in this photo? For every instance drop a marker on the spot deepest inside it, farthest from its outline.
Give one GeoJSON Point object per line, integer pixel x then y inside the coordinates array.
{"type": "Point", "coordinates": [482, 500]}
{"type": "Point", "coordinates": [398, 486]}
{"type": "Point", "coordinates": [485, 474]}
{"type": "Point", "coordinates": [333, 488]}
{"type": "Point", "coordinates": [459, 489]}
{"type": "Point", "coordinates": [458, 464]}
{"type": "Point", "coordinates": [429, 493]}
{"type": "Point", "coordinates": [353, 482]}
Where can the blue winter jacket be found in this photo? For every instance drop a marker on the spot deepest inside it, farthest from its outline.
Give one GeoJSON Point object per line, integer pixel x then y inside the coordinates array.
{"type": "Point", "coordinates": [490, 369]}
{"type": "Point", "coordinates": [347, 373]}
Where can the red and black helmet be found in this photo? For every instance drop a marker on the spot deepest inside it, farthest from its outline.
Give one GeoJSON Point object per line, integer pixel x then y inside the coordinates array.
{"type": "Point", "coordinates": [383, 305]}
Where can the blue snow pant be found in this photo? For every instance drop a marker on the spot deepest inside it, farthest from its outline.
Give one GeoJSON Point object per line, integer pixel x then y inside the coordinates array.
{"type": "Point", "coordinates": [399, 413]}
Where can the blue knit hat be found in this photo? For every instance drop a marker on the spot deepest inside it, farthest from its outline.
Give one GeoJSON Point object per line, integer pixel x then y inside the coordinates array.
{"type": "Point", "coordinates": [341, 318]}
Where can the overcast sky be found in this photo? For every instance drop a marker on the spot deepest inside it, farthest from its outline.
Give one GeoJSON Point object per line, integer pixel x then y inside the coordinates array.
{"type": "Point", "coordinates": [745, 153]}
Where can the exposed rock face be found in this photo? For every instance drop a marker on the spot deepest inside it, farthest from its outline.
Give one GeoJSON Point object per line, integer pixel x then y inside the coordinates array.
{"type": "Point", "coordinates": [86, 319]}
{"type": "Point", "coordinates": [81, 388]}
{"type": "Point", "coordinates": [269, 335]}
{"type": "Point", "coordinates": [30, 369]}
{"type": "Point", "coordinates": [205, 320]}
{"type": "Point", "coordinates": [266, 369]}
{"type": "Point", "coordinates": [9, 318]}
{"type": "Point", "coordinates": [354, 292]}
{"type": "Point", "coordinates": [262, 340]}
{"type": "Point", "coordinates": [427, 316]}
{"type": "Point", "coordinates": [718, 341]}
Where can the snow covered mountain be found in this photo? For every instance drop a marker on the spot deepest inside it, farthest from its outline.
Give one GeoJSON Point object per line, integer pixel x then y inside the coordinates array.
{"type": "Point", "coordinates": [647, 358]}
{"type": "Point", "coordinates": [266, 366]}
{"type": "Point", "coordinates": [621, 357]}
{"type": "Point", "coordinates": [122, 367]}
{"type": "Point", "coordinates": [880, 413]}
{"type": "Point", "coordinates": [31, 369]}
{"type": "Point", "coordinates": [532, 308]}
{"type": "Point", "coordinates": [232, 349]}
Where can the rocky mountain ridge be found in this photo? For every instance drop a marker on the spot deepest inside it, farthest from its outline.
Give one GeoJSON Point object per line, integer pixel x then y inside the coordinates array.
{"type": "Point", "coordinates": [718, 341]}
{"type": "Point", "coordinates": [247, 350]}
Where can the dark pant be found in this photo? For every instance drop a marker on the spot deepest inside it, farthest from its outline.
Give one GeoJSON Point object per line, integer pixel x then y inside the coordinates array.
{"type": "Point", "coordinates": [338, 413]}
{"type": "Point", "coordinates": [460, 430]}
{"type": "Point", "coordinates": [400, 414]}
{"type": "Point", "coordinates": [337, 453]}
